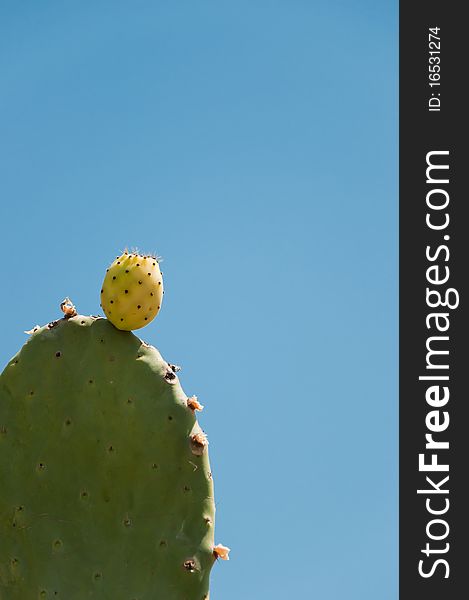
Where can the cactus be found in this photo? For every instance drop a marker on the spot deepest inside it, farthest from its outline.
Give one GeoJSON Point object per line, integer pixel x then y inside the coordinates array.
{"type": "Point", "coordinates": [132, 291]}
{"type": "Point", "coordinates": [106, 489]}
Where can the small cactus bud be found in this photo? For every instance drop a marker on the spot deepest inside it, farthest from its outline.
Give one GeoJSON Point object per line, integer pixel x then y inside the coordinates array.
{"type": "Point", "coordinates": [194, 404]}
{"type": "Point", "coordinates": [222, 552]}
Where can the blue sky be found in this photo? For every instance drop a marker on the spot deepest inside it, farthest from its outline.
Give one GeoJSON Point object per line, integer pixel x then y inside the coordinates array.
{"type": "Point", "coordinates": [254, 146]}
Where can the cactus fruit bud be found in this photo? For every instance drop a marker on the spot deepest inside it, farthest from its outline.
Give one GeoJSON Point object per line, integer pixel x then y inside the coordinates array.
{"type": "Point", "coordinates": [194, 404]}
{"type": "Point", "coordinates": [198, 443]}
{"type": "Point", "coordinates": [68, 308]}
{"type": "Point", "coordinates": [221, 551]}
{"type": "Point", "coordinates": [132, 291]}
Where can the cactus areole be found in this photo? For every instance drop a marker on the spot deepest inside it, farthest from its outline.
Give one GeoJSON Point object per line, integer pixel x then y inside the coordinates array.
{"type": "Point", "coordinates": [106, 490]}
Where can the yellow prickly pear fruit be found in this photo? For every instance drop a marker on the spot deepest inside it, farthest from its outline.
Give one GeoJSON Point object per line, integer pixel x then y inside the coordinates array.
{"type": "Point", "coordinates": [132, 291]}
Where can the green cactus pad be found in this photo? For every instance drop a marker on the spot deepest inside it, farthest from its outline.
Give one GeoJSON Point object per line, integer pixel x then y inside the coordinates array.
{"type": "Point", "coordinates": [106, 491]}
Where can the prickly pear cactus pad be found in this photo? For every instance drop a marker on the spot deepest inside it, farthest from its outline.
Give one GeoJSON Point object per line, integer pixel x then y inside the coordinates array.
{"type": "Point", "coordinates": [132, 291]}
{"type": "Point", "coordinates": [105, 483]}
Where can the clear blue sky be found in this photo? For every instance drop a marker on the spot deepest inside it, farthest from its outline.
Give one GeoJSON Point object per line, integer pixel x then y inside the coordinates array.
{"type": "Point", "coordinates": [253, 144]}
